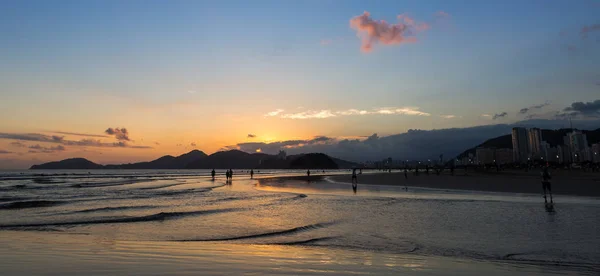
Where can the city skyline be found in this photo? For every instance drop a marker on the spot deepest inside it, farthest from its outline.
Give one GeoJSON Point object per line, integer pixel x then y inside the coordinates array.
{"type": "Point", "coordinates": [119, 82]}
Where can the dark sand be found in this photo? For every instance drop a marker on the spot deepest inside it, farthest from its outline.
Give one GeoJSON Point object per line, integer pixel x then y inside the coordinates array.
{"type": "Point", "coordinates": [563, 182]}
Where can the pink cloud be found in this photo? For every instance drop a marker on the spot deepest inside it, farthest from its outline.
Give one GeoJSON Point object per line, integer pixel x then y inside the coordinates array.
{"type": "Point", "coordinates": [374, 32]}
{"type": "Point", "coordinates": [442, 14]}
{"type": "Point", "coordinates": [588, 29]}
{"type": "Point", "coordinates": [325, 42]}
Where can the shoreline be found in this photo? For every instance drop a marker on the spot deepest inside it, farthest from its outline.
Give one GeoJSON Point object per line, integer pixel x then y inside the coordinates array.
{"type": "Point", "coordinates": [530, 183]}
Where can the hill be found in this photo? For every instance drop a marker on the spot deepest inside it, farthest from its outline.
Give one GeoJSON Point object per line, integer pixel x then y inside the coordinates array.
{"type": "Point", "coordinates": [233, 159]}
{"type": "Point", "coordinates": [68, 164]}
{"type": "Point", "coordinates": [165, 162]}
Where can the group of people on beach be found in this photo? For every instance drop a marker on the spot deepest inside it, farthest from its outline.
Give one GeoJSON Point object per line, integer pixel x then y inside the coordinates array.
{"type": "Point", "coordinates": [229, 174]}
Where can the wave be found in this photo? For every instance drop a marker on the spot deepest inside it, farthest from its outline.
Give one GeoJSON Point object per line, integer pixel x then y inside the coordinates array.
{"type": "Point", "coordinates": [304, 242]}
{"type": "Point", "coordinates": [110, 183]}
{"type": "Point", "coordinates": [109, 209]}
{"type": "Point", "coordinates": [154, 217]}
{"type": "Point", "coordinates": [265, 235]}
{"type": "Point", "coordinates": [30, 204]}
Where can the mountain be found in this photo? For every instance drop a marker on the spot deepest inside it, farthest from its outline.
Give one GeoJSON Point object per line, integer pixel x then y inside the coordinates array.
{"type": "Point", "coordinates": [73, 163]}
{"type": "Point", "coordinates": [233, 159]}
{"type": "Point", "coordinates": [165, 162]}
{"type": "Point", "coordinates": [552, 137]}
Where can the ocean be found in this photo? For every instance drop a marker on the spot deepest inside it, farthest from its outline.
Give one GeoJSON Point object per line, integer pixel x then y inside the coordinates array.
{"type": "Point", "coordinates": [153, 222]}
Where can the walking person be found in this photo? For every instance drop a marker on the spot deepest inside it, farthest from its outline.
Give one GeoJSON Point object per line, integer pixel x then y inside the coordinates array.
{"type": "Point", "coordinates": [546, 183]}
{"type": "Point", "coordinates": [213, 173]}
{"type": "Point", "coordinates": [251, 174]}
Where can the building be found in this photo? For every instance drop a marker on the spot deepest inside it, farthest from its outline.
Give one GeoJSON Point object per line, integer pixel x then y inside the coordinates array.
{"type": "Point", "coordinates": [520, 144]}
{"type": "Point", "coordinates": [534, 139]}
{"type": "Point", "coordinates": [576, 141]}
{"type": "Point", "coordinates": [596, 153]}
{"type": "Point", "coordinates": [485, 155]}
{"type": "Point", "coordinates": [503, 156]}
{"type": "Point", "coordinates": [554, 154]}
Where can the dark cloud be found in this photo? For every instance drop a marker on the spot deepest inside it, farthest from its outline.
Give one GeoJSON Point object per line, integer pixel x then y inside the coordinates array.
{"type": "Point", "coordinates": [251, 136]}
{"type": "Point", "coordinates": [120, 133]}
{"type": "Point", "coordinates": [275, 147]}
{"type": "Point", "coordinates": [539, 106]}
{"type": "Point", "coordinates": [5, 152]}
{"type": "Point", "coordinates": [80, 134]}
{"type": "Point", "coordinates": [17, 144]}
{"type": "Point", "coordinates": [38, 148]}
{"type": "Point", "coordinates": [499, 115]}
{"type": "Point", "coordinates": [588, 109]}
{"type": "Point", "coordinates": [193, 144]}
{"type": "Point", "coordinates": [585, 30]}
{"type": "Point", "coordinates": [37, 137]}
{"type": "Point", "coordinates": [157, 143]}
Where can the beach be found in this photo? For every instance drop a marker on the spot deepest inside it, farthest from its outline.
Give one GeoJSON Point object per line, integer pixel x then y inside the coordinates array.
{"type": "Point", "coordinates": [563, 182]}
{"type": "Point", "coordinates": [153, 222]}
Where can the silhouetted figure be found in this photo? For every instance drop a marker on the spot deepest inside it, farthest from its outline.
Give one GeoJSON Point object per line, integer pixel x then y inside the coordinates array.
{"type": "Point", "coordinates": [251, 174]}
{"type": "Point", "coordinates": [405, 173]}
{"type": "Point", "coordinates": [308, 173]}
{"type": "Point", "coordinates": [354, 179]}
{"type": "Point", "coordinates": [354, 187]}
{"type": "Point", "coordinates": [427, 169]}
{"type": "Point", "coordinates": [452, 170]}
{"type": "Point", "coordinates": [546, 183]}
{"type": "Point", "coordinates": [213, 173]}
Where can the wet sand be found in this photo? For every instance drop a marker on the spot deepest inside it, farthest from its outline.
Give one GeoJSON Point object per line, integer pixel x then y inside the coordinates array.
{"type": "Point", "coordinates": [563, 182]}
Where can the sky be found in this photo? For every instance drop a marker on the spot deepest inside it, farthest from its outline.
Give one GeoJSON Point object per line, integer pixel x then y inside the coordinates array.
{"type": "Point", "coordinates": [127, 81]}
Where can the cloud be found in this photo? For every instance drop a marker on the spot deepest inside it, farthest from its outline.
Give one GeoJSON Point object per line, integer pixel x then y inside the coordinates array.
{"type": "Point", "coordinates": [448, 116]}
{"type": "Point", "coordinates": [496, 116]}
{"type": "Point", "coordinates": [5, 152]}
{"type": "Point", "coordinates": [193, 144]}
{"type": "Point", "coordinates": [157, 143]}
{"type": "Point", "coordinates": [325, 42]}
{"type": "Point", "coordinates": [486, 115]}
{"type": "Point", "coordinates": [120, 133]}
{"type": "Point", "coordinates": [588, 109]}
{"type": "Point", "coordinates": [38, 148]}
{"type": "Point", "coordinates": [585, 30]}
{"type": "Point", "coordinates": [372, 32]}
{"type": "Point", "coordinates": [442, 14]}
{"type": "Point", "coordinates": [17, 144]}
{"type": "Point", "coordinates": [274, 113]}
{"type": "Point", "coordinates": [37, 137]}
{"type": "Point", "coordinates": [275, 147]}
{"type": "Point", "coordinates": [309, 115]}
{"type": "Point", "coordinates": [79, 134]}
{"type": "Point", "coordinates": [251, 136]}
{"type": "Point", "coordinates": [191, 91]}
{"type": "Point", "coordinates": [527, 109]}
{"type": "Point", "coordinates": [326, 113]}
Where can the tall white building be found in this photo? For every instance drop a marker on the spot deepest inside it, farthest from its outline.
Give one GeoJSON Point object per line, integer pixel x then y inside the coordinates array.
{"type": "Point", "coordinates": [520, 144]}
{"type": "Point", "coordinates": [578, 145]}
{"type": "Point", "coordinates": [534, 138]}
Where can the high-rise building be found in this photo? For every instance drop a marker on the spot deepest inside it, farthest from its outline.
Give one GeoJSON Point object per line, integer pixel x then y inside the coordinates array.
{"type": "Point", "coordinates": [534, 137]}
{"type": "Point", "coordinates": [485, 155]}
{"type": "Point", "coordinates": [520, 145]}
{"type": "Point", "coordinates": [577, 143]}
{"type": "Point", "coordinates": [596, 153]}
{"type": "Point", "coordinates": [504, 156]}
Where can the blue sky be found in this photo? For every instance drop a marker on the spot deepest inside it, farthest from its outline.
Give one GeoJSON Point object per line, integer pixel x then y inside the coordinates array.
{"type": "Point", "coordinates": [87, 65]}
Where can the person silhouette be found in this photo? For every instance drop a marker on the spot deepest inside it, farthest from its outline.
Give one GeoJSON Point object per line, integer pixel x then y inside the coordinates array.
{"type": "Point", "coordinates": [354, 179]}
{"type": "Point", "coordinates": [251, 174]}
{"type": "Point", "coordinates": [212, 173]}
{"type": "Point", "coordinates": [546, 183]}
{"type": "Point", "coordinates": [308, 173]}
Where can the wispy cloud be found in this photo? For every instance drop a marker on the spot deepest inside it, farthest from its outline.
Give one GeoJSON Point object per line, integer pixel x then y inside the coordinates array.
{"type": "Point", "coordinates": [193, 144]}
{"type": "Point", "coordinates": [274, 113]}
{"type": "Point", "coordinates": [325, 42]}
{"type": "Point", "coordinates": [192, 91]}
{"type": "Point", "coordinates": [442, 14]}
{"type": "Point", "coordinates": [372, 32]}
{"type": "Point", "coordinates": [486, 115]}
{"type": "Point", "coordinates": [585, 30]}
{"type": "Point", "coordinates": [38, 148]}
{"type": "Point", "coordinates": [251, 136]}
{"type": "Point", "coordinates": [17, 144]}
{"type": "Point", "coordinates": [79, 134]}
{"type": "Point", "coordinates": [5, 152]}
{"type": "Point", "coordinates": [37, 137]}
{"type": "Point", "coordinates": [326, 113]}
{"type": "Point", "coordinates": [539, 106]}
{"type": "Point", "coordinates": [448, 116]}
{"type": "Point", "coordinates": [499, 115]}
